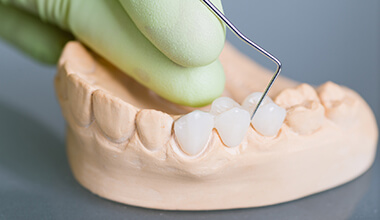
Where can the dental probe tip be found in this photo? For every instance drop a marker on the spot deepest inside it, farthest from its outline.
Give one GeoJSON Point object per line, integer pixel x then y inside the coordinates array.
{"type": "Point", "coordinates": [233, 28]}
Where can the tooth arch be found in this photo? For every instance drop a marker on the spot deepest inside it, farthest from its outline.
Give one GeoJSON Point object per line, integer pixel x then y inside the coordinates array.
{"type": "Point", "coordinates": [130, 165]}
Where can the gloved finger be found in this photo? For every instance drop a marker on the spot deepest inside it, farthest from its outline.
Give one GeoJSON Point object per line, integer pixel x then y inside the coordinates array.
{"type": "Point", "coordinates": [43, 42]}
{"type": "Point", "coordinates": [107, 29]}
{"type": "Point", "coordinates": [185, 31]}
{"type": "Point", "coordinates": [49, 11]}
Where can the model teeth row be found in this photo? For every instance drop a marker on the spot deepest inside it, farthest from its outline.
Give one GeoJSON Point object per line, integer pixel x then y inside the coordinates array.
{"type": "Point", "coordinates": [306, 111]}
{"type": "Point", "coordinates": [230, 120]}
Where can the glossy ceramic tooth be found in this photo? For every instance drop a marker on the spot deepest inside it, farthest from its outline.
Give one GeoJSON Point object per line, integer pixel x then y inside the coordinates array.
{"type": "Point", "coordinates": [253, 99]}
{"type": "Point", "coordinates": [268, 119]}
{"type": "Point", "coordinates": [193, 131]}
{"type": "Point", "coordinates": [222, 104]}
{"type": "Point", "coordinates": [232, 126]}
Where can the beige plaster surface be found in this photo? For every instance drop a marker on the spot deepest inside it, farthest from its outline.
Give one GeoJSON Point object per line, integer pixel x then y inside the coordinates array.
{"type": "Point", "coordinates": [121, 145]}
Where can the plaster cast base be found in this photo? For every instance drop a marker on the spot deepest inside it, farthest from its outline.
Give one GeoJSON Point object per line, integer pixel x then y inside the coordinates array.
{"type": "Point", "coordinates": [108, 155]}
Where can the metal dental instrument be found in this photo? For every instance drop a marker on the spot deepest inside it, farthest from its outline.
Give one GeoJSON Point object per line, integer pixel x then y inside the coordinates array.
{"type": "Point", "coordinates": [252, 44]}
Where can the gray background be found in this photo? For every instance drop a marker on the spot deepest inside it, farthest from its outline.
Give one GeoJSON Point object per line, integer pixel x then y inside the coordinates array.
{"type": "Point", "coordinates": [317, 41]}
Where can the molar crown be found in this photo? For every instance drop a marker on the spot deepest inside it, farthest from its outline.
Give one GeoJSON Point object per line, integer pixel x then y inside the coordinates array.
{"type": "Point", "coordinates": [232, 126]}
{"type": "Point", "coordinates": [251, 101]}
{"type": "Point", "coordinates": [228, 118]}
{"type": "Point", "coordinates": [222, 104]}
{"type": "Point", "coordinates": [268, 118]}
{"type": "Point", "coordinates": [231, 121]}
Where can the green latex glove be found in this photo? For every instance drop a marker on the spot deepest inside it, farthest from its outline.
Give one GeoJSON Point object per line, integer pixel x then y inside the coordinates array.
{"type": "Point", "coordinates": [170, 46]}
{"type": "Point", "coordinates": [42, 41]}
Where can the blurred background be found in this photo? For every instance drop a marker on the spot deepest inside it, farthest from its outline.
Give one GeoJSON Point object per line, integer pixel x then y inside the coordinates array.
{"type": "Point", "coordinates": [317, 41]}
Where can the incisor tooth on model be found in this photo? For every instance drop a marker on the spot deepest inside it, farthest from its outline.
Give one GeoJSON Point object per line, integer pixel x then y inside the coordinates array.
{"type": "Point", "coordinates": [114, 117]}
{"type": "Point", "coordinates": [340, 106]}
{"type": "Point", "coordinates": [305, 114]}
{"type": "Point", "coordinates": [269, 119]}
{"type": "Point", "coordinates": [232, 126]}
{"type": "Point", "coordinates": [222, 104]}
{"type": "Point", "coordinates": [251, 101]}
{"type": "Point", "coordinates": [193, 131]}
{"type": "Point", "coordinates": [79, 95]}
{"type": "Point", "coordinates": [154, 135]}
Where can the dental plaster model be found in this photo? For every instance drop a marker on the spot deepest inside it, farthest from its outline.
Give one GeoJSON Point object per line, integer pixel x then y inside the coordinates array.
{"type": "Point", "coordinates": [305, 141]}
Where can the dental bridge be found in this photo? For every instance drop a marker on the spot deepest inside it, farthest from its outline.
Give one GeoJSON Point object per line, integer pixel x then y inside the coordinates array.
{"type": "Point", "coordinates": [229, 118]}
